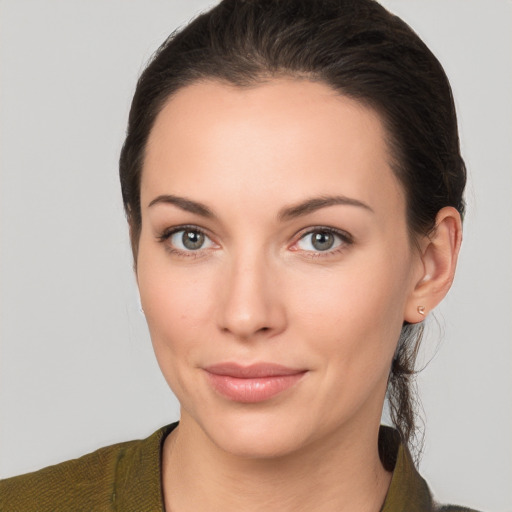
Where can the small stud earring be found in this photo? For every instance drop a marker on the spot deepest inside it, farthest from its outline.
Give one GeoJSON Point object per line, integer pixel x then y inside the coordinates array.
{"type": "Point", "coordinates": [421, 310]}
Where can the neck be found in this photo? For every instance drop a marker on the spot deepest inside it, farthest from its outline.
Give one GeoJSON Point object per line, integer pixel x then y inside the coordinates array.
{"type": "Point", "coordinates": [347, 475]}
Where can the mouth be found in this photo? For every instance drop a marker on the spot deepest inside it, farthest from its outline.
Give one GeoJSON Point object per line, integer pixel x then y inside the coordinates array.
{"type": "Point", "coordinates": [254, 383]}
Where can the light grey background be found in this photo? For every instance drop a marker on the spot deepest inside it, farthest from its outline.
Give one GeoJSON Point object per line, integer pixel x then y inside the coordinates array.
{"type": "Point", "coordinates": [77, 370]}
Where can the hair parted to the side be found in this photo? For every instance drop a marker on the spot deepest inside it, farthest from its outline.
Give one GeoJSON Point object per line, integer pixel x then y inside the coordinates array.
{"type": "Point", "coordinates": [359, 49]}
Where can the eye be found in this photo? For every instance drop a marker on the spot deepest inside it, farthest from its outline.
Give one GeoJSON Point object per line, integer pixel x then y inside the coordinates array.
{"type": "Point", "coordinates": [187, 239]}
{"type": "Point", "coordinates": [323, 240]}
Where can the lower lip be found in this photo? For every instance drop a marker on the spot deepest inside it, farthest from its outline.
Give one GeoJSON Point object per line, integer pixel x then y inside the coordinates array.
{"type": "Point", "coordinates": [252, 390]}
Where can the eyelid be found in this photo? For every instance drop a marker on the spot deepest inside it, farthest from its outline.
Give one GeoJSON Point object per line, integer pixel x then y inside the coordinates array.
{"type": "Point", "coordinates": [345, 237]}
{"type": "Point", "coordinates": [167, 233]}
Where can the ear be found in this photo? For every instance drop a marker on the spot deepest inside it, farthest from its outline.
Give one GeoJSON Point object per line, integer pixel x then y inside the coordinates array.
{"type": "Point", "coordinates": [438, 254]}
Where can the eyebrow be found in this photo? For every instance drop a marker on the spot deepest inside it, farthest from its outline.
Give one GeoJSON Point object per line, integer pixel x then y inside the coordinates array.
{"type": "Point", "coordinates": [287, 213]}
{"type": "Point", "coordinates": [185, 204]}
{"type": "Point", "coordinates": [316, 203]}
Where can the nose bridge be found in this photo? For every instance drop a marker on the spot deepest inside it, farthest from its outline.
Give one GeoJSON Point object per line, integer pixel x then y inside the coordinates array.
{"type": "Point", "coordinates": [251, 304]}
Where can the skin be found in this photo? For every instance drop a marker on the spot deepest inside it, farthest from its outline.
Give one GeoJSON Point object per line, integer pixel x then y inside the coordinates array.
{"type": "Point", "coordinates": [259, 290]}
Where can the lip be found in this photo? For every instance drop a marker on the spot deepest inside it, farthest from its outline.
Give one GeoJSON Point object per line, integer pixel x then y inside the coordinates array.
{"type": "Point", "coordinates": [254, 383]}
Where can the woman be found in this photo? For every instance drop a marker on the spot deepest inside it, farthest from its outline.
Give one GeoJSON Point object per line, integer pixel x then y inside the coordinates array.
{"type": "Point", "coordinates": [293, 186]}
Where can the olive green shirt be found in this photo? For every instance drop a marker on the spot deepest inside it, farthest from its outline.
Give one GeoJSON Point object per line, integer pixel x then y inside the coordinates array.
{"type": "Point", "coordinates": [126, 477]}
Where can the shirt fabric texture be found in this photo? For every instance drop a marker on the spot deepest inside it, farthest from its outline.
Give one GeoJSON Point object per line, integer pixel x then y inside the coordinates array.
{"type": "Point", "coordinates": [126, 477]}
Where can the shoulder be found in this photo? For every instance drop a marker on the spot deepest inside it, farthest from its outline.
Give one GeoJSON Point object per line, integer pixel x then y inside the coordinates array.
{"type": "Point", "coordinates": [97, 481]}
{"type": "Point", "coordinates": [88, 479]}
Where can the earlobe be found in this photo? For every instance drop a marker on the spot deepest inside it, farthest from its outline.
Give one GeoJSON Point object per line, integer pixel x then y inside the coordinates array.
{"type": "Point", "coordinates": [439, 254]}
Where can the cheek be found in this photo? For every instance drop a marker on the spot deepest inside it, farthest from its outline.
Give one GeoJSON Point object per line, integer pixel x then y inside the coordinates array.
{"type": "Point", "coordinates": [177, 300]}
{"type": "Point", "coordinates": [357, 312]}
{"type": "Point", "coordinates": [351, 323]}
{"type": "Point", "coordinates": [177, 307]}
{"type": "Point", "coordinates": [356, 297]}
{"type": "Point", "coordinates": [175, 304]}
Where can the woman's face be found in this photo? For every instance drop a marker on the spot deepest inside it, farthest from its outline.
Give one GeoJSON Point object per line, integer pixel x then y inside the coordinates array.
{"type": "Point", "coordinates": [274, 263]}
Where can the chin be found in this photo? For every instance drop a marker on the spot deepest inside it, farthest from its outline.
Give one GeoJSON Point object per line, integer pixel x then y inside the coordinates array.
{"type": "Point", "coordinates": [257, 441]}
{"type": "Point", "coordinates": [256, 433]}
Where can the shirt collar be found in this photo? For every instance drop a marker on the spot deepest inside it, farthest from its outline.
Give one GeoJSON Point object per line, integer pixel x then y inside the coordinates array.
{"type": "Point", "coordinates": [408, 492]}
{"type": "Point", "coordinates": [138, 475]}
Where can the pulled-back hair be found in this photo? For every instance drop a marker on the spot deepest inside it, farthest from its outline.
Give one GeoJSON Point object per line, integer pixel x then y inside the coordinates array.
{"type": "Point", "coordinates": [360, 50]}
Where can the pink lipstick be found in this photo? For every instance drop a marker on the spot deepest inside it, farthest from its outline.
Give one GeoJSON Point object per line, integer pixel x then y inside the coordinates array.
{"type": "Point", "coordinates": [254, 383]}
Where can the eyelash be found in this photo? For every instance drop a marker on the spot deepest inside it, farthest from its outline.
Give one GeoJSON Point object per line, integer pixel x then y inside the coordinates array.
{"type": "Point", "coordinates": [167, 234]}
{"type": "Point", "coordinates": [346, 240]}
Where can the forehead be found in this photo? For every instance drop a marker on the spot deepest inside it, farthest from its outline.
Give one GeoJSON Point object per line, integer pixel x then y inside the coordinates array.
{"type": "Point", "coordinates": [278, 139]}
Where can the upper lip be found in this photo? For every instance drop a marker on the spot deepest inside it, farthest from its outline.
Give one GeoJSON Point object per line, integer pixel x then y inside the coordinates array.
{"type": "Point", "coordinates": [252, 371]}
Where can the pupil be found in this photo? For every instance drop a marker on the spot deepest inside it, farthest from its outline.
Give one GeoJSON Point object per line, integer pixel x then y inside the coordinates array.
{"type": "Point", "coordinates": [192, 239]}
{"type": "Point", "coordinates": [322, 241]}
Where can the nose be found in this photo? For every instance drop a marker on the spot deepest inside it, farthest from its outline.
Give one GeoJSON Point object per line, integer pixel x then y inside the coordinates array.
{"type": "Point", "coordinates": [251, 303]}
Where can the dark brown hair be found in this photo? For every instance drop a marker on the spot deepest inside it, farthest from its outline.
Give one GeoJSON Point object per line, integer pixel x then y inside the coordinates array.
{"type": "Point", "coordinates": [359, 49]}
